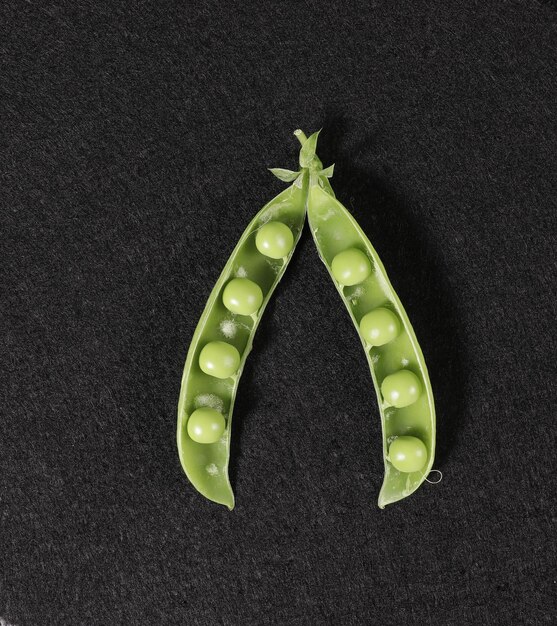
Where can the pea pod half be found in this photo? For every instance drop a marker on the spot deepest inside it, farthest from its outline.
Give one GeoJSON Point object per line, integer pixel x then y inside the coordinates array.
{"type": "Point", "coordinates": [396, 362]}
{"type": "Point", "coordinates": [224, 335]}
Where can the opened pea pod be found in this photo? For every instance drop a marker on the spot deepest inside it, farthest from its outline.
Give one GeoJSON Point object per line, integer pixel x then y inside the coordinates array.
{"type": "Point", "coordinates": [223, 338]}
{"type": "Point", "coordinates": [224, 335]}
{"type": "Point", "coordinates": [396, 362]}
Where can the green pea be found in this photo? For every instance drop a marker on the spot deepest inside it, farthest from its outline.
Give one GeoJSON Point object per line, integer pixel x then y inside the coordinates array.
{"type": "Point", "coordinates": [351, 267]}
{"type": "Point", "coordinates": [242, 296]}
{"type": "Point", "coordinates": [401, 389]}
{"type": "Point", "coordinates": [408, 454]}
{"type": "Point", "coordinates": [274, 240]}
{"type": "Point", "coordinates": [380, 326]}
{"type": "Point", "coordinates": [219, 359]}
{"type": "Point", "coordinates": [206, 425]}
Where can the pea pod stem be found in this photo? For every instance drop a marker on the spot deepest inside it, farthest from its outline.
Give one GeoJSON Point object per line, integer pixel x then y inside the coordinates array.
{"type": "Point", "coordinates": [300, 136]}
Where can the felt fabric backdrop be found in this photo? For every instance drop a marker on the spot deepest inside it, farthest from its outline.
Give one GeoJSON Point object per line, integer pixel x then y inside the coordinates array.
{"type": "Point", "coordinates": [136, 138]}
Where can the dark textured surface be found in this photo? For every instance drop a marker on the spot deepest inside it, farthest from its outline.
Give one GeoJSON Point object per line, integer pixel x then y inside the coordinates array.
{"type": "Point", "coordinates": [135, 142]}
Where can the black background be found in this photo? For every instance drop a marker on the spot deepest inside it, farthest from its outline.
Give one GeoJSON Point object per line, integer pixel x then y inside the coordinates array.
{"type": "Point", "coordinates": [136, 139]}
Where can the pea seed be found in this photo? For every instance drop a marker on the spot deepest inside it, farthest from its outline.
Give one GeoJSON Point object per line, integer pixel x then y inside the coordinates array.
{"type": "Point", "coordinates": [380, 326]}
{"type": "Point", "coordinates": [401, 389]}
{"type": "Point", "coordinates": [408, 454]}
{"type": "Point", "coordinates": [351, 267]}
{"type": "Point", "coordinates": [219, 359]}
{"type": "Point", "coordinates": [242, 296]}
{"type": "Point", "coordinates": [206, 425]}
{"type": "Point", "coordinates": [274, 240]}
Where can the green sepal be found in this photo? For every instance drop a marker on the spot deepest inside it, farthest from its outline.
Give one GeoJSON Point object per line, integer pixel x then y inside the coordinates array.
{"type": "Point", "coordinates": [307, 153]}
{"type": "Point", "coordinates": [286, 176]}
{"type": "Point", "coordinates": [328, 171]}
{"type": "Point", "coordinates": [299, 182]}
